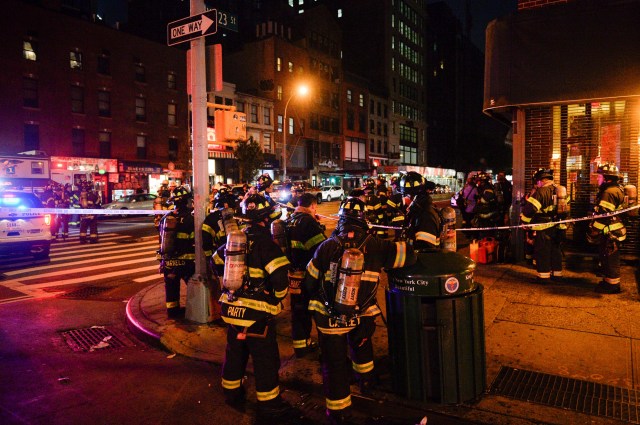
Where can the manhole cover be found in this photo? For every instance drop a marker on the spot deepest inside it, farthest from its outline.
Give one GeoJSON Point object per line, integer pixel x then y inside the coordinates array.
{"type": "Point", "coordinates": [568, 393]}
{"type": "Point", "coordinates": [85, 292]}
{"type": "Point", "coordinates": [93, 338]}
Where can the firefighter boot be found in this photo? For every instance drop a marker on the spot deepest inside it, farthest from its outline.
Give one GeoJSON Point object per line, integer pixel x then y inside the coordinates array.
{"type": "Point", "coordinates": [340, 417]}
{"type": "Point", "coordinates": [276, 411]}
{"type": "Point", "coordinates": [608, 288]}
{"type": "Point", "coordinates": [235, 398]}
{"type": "Point", "coordinates": [175, 312]}
{"type": "Point", "coordinates": [367, 383]}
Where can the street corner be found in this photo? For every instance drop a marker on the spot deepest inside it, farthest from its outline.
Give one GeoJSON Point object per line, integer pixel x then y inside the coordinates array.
{"type": "Point", "coordinates": [199, 341]}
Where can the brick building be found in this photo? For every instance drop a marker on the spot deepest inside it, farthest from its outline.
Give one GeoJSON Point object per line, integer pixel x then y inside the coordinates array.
{"type": "Point", "coordinates": [565, 73]}
{"type": "Point", "coordinates": [82, 92]}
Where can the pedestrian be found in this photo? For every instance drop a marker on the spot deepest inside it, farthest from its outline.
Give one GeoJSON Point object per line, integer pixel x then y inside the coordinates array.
{"type": "Point", "coordinates": [540, 212]}
{"type": "Point", "coordinates": [341, 281]}
{"type": "Point", "coordinates": [249, 305]}
{"type": "Point", "coordinates": [305, 234]}
{"type": "Point", "coordinates": [608, 232]}
{"type": "Point", "coordinates": [177, 249]}
{"type": "Point", "coordinates": [423, 223]}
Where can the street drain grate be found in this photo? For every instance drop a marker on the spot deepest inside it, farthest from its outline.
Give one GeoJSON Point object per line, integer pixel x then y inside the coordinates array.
{"type": "Point", "coordinates": [85, 292]}
{"type": "Point", "coordinates": [568, 393]}
{"type": "Point", "coordinates": [90, 339]}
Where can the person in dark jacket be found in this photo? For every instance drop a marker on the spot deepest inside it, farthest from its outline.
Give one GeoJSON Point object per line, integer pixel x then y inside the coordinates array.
{"type": "Point", "coordinates": [89, 199]}
{"type": "Point", "coordinates": [540, 211]}
{"type": "Point", "coordinates": [422, 219]}
{"type": "Point", "coordinates": [608, 232]}
{"type": "Point", "coordinates": [249, 313]}
{"type": "Point", "coordinates": [305, 234]}
{"type": "Point", "coordinates": [349, 323]}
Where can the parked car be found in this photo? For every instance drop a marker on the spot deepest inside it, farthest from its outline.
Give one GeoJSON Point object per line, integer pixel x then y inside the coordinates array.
{"type": "Point", "coordinates": [23, 232]}
{"type": "Point", "coordinates": [331, 193]}
{"type": "Point", "coordinates": [138, 201]}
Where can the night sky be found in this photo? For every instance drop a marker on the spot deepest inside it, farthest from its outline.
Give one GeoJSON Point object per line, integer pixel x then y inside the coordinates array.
{"type": "Point", "coordinates": [482, 12]}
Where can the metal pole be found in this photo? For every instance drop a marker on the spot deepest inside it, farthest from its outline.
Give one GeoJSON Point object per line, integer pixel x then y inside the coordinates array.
{"type": "Point", "coordinates": [284, 140]}
{"type": "Point", "coordinates": [197, 292]}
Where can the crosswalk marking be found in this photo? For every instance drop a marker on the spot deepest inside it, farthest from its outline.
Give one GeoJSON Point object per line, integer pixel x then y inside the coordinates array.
{"type": "Point", "coordinates": [96, 277]}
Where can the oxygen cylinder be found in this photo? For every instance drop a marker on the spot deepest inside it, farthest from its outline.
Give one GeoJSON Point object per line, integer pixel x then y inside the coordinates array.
{"type": "Point", "coordinates": [168, 236]}
{"type": "Point", "coordinates": [560, 200]}
{"type": "Point", "coordinates": [235, 261]}
{"type": "Point", "coordinates": [83, 199]}
{"type": "Point", "coordinates": [631, 199]}
{"type": "Point", "coordinates": [229, 223]}
{"type": "Point", "coordinates": [279, 233]}
{"type": "Point", "coordinates": [349, 277]}
{"type": "Point", "coordinates": [448, 239]}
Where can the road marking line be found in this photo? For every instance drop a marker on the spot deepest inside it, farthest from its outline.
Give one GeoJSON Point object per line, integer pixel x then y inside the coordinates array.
{"type": "Point", "coordinates": [86, 279]}
{"type": "Point", "coordinates": [147, 278]}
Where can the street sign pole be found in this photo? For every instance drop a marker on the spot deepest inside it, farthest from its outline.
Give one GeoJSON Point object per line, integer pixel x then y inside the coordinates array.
{"type": "Point", "coordinates": [198, 293]}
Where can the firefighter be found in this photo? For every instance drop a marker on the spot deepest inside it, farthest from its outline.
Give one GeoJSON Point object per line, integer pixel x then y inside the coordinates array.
{"type": "Point", "coordinates": [296, 192]}
{"type": "Point", "coordinates": [74, 201]}
{"type": "Point", "coordinates": [608, 232]}
{"type": "Point", "coordinates": [375, 214]}
{"type": "Point", "coordinates": [89, 199]}
{"type": "Point", "coordinates": [304, 235]}
{"type": "Point", "coordinates": [254, 284]}
{"type": "Point", "coordinates": [61, 222]}
{"type": "Point", "coordinates": [341, 282]}
{"type": "Point", "coordinates": [540, 211]}
{"type": "Point", "coordinates": [265, 188]}
{"type": "Point", "coordinates": [486, 213]}
{"type": "Point", "coordinates": [422, 220]}
{"type": "Point", "coordinates": [177, 249]}
{"type": "Point", "coordinates": [48, 201]}
{"type": "Point", "coordinates": [160, 203]}
{"type": "Point", "coordinates": [219, 222]}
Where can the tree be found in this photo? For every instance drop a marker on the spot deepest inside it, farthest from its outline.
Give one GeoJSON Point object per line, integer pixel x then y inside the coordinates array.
{"type": "Point", "coordinates": [250, 158]}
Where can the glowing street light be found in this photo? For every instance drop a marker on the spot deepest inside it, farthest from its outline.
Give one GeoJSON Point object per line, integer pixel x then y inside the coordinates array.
{"type": "Point", "coordinates": [301, 90]}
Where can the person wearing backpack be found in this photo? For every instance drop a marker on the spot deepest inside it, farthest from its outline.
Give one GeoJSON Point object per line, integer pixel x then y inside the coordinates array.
{"type": "Point", "coordinates": [249, 306]}
{"type": "Point", "coordinates": [341, 282]}
{"type": "Point", "coordinates": [304, 235]}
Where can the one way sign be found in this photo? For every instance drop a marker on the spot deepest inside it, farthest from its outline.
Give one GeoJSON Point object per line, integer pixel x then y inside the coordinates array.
{"type": "Point", "coordinates": [192, 27]}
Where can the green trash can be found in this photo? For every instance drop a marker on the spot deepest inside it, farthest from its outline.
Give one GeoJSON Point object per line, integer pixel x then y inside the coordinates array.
{"type": "Point", "coordinates": [435, 319]}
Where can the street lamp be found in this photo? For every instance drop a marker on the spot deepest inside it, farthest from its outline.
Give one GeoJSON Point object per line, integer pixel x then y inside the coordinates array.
{"type": "Point", "coordinates": [302, 90]}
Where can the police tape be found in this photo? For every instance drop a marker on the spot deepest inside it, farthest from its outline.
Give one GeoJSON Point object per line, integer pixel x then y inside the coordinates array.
{"type": "Point", "coordinates": [4, 211]}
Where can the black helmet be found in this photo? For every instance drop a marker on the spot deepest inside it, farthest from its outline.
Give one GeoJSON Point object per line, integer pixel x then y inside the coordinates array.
{"type": "Point", "coordinates": [609, 170]}
{"type": "Point", "coordinates": [542, 173]}
{"type": "Point", "coordinates": [394, 181]}
{"type": "Point", "coordinates": [412, 183]}
{"type": "Point", "coordinates": [256, 208]}
{"type": "Point", "coordinates": [224, 196]}
{"type": "Point", "coordinates": [180, 195]}
{"type": "Point", "coordinates": [353, 208]}
{"type": "Point", "coordinates": [369, 184]}
{"type": "Point", "coordinates": [264, 181]}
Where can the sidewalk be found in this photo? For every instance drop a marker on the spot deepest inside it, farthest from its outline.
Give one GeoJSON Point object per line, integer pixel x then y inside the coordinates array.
{"type": "Point", "coordinates": [565, 330]}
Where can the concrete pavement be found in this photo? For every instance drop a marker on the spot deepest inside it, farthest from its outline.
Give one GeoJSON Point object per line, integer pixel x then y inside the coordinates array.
{"type": "Point", "coordinates": [562, 329]}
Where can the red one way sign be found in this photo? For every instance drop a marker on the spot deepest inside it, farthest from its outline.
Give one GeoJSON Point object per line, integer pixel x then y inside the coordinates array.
{"type": "Point", "coordinates": [192, 27]}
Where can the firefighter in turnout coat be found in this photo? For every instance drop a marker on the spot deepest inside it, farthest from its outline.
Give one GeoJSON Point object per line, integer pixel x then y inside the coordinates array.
{"type": "Point", "coordinates": [608, 232]}
{"type": "Point", "coordinates": [341, 283]}
{"type": "Point", "coordinates": [250, 301]}
{"type": "Point", "coordinates": [423, 221]}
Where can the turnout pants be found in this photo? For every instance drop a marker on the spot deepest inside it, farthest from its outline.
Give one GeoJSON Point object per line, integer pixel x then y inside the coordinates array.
{"type": "Point", "coordinates": [172, 277]}
{"type": "Point", "coordinates": [609, 252]}
{"type": "Point", "coordinates": [89, 224]}
{"type": "Point", "coordinates": [548, 253]}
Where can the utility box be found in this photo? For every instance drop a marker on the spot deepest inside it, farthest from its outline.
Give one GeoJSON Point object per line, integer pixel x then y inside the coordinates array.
{"type": "Point", "coordinates": [435, 319]}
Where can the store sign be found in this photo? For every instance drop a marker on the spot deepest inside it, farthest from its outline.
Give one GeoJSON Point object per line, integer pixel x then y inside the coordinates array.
{"type": "Point", "coordinates": [140, 167]}
{"type": "Point", "coordinates": [328, 164]}
{"type": "Point", "coordinates": [270, 164]}
{"type": "Point", "coordinates": [93, 165]}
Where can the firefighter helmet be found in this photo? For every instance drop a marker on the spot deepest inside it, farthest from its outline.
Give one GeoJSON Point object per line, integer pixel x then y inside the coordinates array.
{"type": "Point", "coordinates": [394, 181]}
{"type": "Point", "coordinates": [256, 208]}
{"type": "Point", "coordinates": [264, 181]}
{"type": "Point", "coordinates": [180, 195]}
{"type": "Point", "coordinates": [353, 208]}
{"type": "Point", "coordinates": [412, 183]}
{"type": "Point", "coordinates": [369, 184]}
{"type": "Point", "coordinates": [224, 196]}
{"type": "Point", "coordinates": [609, 170]}
{"type": "Point", "coordinates": [542, 173]}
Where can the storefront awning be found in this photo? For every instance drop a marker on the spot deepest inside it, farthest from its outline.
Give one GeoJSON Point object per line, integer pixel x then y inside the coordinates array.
{"type": "Point", "coordinates": [579, 51]}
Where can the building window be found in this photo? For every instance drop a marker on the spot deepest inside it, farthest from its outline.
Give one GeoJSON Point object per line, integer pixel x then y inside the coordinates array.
{"type": "Point", "coordinates": [379, 145]}
{"type": "Point", "coordinates": [172, 82]}
{"type": "Point", "coordinates": [77, 99]}
{"type": "Point", "coordinates": [104, 142]}
{"type": "Point", "coordinates": [77, 142]}
{"type": "Point", "coordinates": [379, 128]}
{"type": "Point", "coordinates": [290, 66]}
{"type": "Point", "coordinates": [361, 100]}
{"type": "Point", "coordinates": [266, 144]}
{"type": "Point", "coordinates": [141, 146]}
{"type": "Point", "coordinates": [354, 150]}
{"type": "Point", "coordinates": [104, 103]}
{"type": "Point", "coordinates": [172, 112]}
{"type": "Point", "coordinates": [372, 107]}
{"type": "Point", "coordinates": [240, 106]}
{"type": "Point", "coordinates": [290, 125]}
{"type": "Point", "coordinates": [141, 109]}
{"type": "Point", "coordinates": [75, 60]}
{"type": "Point", "coordinates": [372, 127]}
{"type": "Point", "coordinates": [140, 75]}
{"type": "Point", "coordinates": [349, 96]}
{"type": "Point", "coordinates": [279, 64]}
{"type": "Point", "coordinates": [30, 92]}
{"type": "Point", "coordinates": [104, 63]}
{"type": "Point", "coordinates": [372, 145]}
{"type": "Point", "coordinates": [266, 113]}
{"type": "Point", "coordinates": [254, 113]}
{"type": "Point", "coordinates": [279, 92]}
{"type": "Point", "coordinates": [386, 148]}
{"type": "Point", "coordinates": [280, 123]}
{"type": "Point", "coordinates": [29, 50]}
{"type": "Point", "coordinates": [350, 119]}
{"type": "Point", "coordinates": [385, 130]}
{"type": "Point", "coordinates": [172, 150]}
{"type": "Point", "coordinates": [31, 137]}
